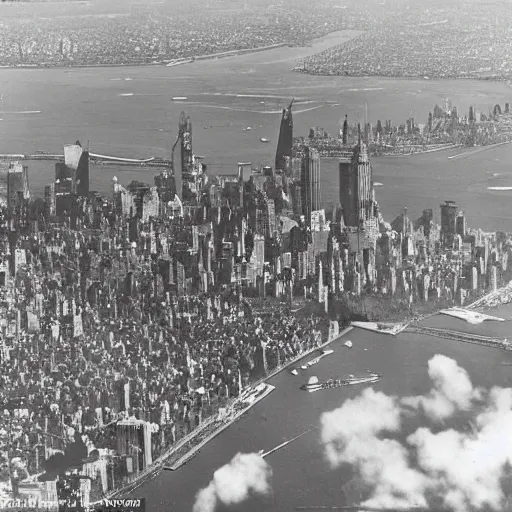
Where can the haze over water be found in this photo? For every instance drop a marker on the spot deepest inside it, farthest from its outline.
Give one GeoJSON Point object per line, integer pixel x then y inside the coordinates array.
{"type": "Point", "coordinates": [224, 97]}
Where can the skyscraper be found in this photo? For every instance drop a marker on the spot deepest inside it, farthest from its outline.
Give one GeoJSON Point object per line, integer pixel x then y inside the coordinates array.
{"type": "Point", "coordinates": [49, 199]}
{"type": "Point", "coordinates": [285, 142]}
{"type": "Point", "coordinates": [166, 186]}
{"type": "Point", "coordinates": [345, 130]}
{"type": "Point", "coordinates": [448, 222]}
{"type": "Point", "coordinates": [77, 160]}
{"type": "Point", "coordinates": [356, 186]}
{"type": "Point", "coordinates": [17, 186]}
{"type": "Point", "coordinates": [185, 131]}
{"type": "Point", "coordinates": [189, 171]}
{"type": "Point", "coordinates": [310, 181]}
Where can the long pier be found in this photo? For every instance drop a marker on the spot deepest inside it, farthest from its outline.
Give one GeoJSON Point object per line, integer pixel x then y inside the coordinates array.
{"type": "Point", "coordinates": [476, 339]}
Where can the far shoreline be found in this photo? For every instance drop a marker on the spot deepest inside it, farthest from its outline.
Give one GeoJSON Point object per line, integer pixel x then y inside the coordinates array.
{"type": "Point", "coordinates": [342, 35]}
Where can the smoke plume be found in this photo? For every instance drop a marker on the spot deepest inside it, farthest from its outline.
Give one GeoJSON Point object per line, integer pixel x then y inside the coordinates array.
{"type": "Point", "coordinates": [247, 474]}
{"type": "Point", "coordinates": [459, 470]}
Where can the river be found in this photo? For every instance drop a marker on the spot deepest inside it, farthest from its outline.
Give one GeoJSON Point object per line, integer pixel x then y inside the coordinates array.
{"type": "Point", "coordinates": [225, 96]}
{"type": "Point", "coordinates": [301, 475]}
{"type": "Point", "coordinates": [129, 112]}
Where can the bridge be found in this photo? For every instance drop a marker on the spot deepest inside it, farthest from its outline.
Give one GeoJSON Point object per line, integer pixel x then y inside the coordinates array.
{"type": "Point", "coordinates": [95, 160]}
{"type": "Point", "coordinates": [465, 337]}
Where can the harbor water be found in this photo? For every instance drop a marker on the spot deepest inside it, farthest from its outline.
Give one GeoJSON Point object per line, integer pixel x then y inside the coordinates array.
{"type": "Point", "coordinates": [301, 474]}
{"type": "Point", "coordinates": [129, 112]}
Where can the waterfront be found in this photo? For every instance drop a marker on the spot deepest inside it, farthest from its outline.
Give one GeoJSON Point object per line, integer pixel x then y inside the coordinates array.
{"type": "Point", "coordinates": [227, 95]}
{"type": "Point", "coordinates": [301, 475]}
{"type": "Point", "coordinates": [415, 182]}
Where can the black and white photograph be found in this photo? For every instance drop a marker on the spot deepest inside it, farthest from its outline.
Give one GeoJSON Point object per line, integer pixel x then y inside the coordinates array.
{"type": "Point", "coordinates": [254, 255]}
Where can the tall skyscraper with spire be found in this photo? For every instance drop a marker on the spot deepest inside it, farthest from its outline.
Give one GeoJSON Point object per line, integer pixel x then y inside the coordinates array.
{"type": "Point", "coordinates": [187, 168]}
{"type": "Point", "coordinates": [356, 186]}
{"type": "Point", "coordinates": [310, 181]}
{"type": "Point", "coordinates": [285, 142]}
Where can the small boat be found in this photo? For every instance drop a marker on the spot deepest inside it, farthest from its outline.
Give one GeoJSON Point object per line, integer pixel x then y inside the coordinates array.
{"type": "Point", "coordinates": [325, 353]}
{"type": "Point", "coordinates": [248, 129]}
{"type": "Point", "coordinates": [304, 367]}
{"type": "Point", "coordinates": [263, 139]}
{"type": "Point", "coordinates": [179, 98]}
{"type": "Point", "coordinates": [348, 344]}
{"type": "Point", "coordinates": [294, 372]}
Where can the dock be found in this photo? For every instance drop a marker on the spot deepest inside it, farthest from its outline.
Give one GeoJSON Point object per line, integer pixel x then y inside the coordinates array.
{"type": "Point", "coordinates": [465, 337]}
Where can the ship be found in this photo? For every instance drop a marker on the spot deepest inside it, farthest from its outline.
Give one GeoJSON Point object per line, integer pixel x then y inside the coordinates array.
{"type": "Point", "coordinates": [263, 139]}
{"type": "Point", "coordinates": [314, 385]}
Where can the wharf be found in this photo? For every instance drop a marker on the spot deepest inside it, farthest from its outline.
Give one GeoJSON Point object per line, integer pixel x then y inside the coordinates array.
{"type": "Point", "coordinates": [158, 464]}
{"type": "Point", "coordinates": [230, 420]}
{"type": "Point", "coordinates": [465, 337]}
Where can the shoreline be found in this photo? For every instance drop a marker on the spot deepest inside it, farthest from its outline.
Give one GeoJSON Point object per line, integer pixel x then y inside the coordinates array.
{"type": "Point", "coordinates": [423, 78]}
{"type": "Point", "coordinates": [166, 63]}
{"type": "Point", "coordinates": [157, 465]}
{"type": "Point", "coordinates": [412, 153]}
{"type": "Point", "coordinates": [195, 450]}
{"type": "Point", "coordinates": [179, 61]}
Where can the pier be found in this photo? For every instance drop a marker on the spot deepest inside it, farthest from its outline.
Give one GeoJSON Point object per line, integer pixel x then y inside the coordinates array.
{"type": "Point", "coordinates": [465, 337]}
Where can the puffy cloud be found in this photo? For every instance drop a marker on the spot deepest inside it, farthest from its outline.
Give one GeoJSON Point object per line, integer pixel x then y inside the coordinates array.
{"type": "Point", "coordinates": [452, 390]}
{"type": "Point", "coordinates": [245, 475]}
{"type": "Point", "coordinates": [350, 435]}
{"type": "Point", "coordinates": [459, 470]}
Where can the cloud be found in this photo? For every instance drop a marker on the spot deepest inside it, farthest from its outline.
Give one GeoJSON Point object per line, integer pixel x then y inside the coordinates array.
{"type": "Point", "coordinates": [471, 466]}
{"type": "Point", "coordinates": [247, 474]}
{"type": "Point", "coordinates": [452, 390]}
{"type": "Point", "coordinates": [350, 435]}
{"type": "Point", "coordinates": [459, 470]}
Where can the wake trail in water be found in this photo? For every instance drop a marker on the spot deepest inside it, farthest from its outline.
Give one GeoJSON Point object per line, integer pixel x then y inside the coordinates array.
{"type": "Point", "coordinates": [282, 445]}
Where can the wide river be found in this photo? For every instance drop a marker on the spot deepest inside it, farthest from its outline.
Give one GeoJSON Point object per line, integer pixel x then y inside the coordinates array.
{"type": "Point", "coordinates": [301, 474]}
{"type": "Point", "coordinates": [129, 112]}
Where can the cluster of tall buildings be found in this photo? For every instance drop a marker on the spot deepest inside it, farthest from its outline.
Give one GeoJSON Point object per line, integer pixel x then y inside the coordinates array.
{"type": "Point", "coordinates": [264, 230]}
{"type": "Point", "coordinates": [356, 250]}
{"type": "Point", "coordinates": [164, 253]}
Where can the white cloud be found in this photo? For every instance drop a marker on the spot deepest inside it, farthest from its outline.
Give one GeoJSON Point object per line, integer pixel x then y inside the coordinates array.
{"type": "Point", "coordinates": [461, 469]}
{"type": "Point", "coordinates": [245, 475]}
{"type": "Point", "coordinates": [452, 390]}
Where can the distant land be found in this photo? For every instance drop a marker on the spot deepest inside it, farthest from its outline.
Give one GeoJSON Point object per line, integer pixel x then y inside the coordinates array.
{"type": "Point", "coordinates": [459, 39]}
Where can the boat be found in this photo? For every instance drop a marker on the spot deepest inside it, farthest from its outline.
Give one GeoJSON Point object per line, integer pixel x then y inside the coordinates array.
{"type": "Point", "coordinates": [314, 361]}
{"type": "Point", "coordinates": [294, 372]}
{"type": "Point", "coordinates": [314, 385]}
{"type": "Point", "coordinates": [179, 98]}
{"type": "Point", "coordinates": [348, 344]}
{"type": "Point", "coordinates": [263, 139]}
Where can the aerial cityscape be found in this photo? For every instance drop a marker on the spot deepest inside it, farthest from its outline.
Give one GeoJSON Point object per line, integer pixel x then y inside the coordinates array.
{"type": "Point", "coordinates": [254, 256]}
